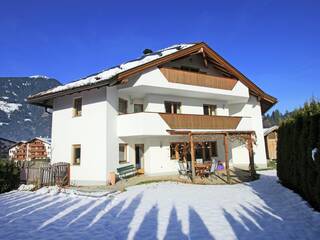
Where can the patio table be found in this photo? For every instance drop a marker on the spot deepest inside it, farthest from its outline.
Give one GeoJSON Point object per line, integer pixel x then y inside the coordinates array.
{"type": "Point", "coordinates": [202, 169]}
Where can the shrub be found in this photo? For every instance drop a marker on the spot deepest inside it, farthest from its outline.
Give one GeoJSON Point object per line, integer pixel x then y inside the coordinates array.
{"type": "Point", "coordinates": [9, 176]}
{"type": "Point", "coordinates": [297, 136]}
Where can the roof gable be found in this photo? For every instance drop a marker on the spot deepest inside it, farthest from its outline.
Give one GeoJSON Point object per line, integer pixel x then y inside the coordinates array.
{"type": "Point", "coordinates": [121, 73]}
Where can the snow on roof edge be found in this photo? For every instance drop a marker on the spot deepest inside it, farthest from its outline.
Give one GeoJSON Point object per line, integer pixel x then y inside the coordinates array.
{"type": "Point", "coordinates": [266, 131]}
{"type": "Point", "coordinates": [113, 71]}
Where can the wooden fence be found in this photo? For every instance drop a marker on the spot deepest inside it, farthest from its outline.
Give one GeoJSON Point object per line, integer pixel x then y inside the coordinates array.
{"type": "Point", "coordinates": [45, 174]}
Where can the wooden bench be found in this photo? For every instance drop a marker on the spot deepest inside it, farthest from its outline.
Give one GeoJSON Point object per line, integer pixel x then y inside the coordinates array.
{"type": "Point", "coordinates": [126, 171]}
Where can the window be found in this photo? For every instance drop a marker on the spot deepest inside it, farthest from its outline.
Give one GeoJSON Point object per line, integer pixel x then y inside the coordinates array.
{"type": "Point", "coordinates": [122, 153]}
{"type": "Point", "coordinates": [76, 154]}
{"type": "Point", "coordinates": [212, 149]}
{"type": "Point", "coordinates": [177, 151]}
{"type": "Point", "coordinates": [206, 150]}
{"type": "Point", "coordinates": [209, 109]}
{"type": "Point", "coordinates": [123, 106]}
{"type": "Point", "coordinates": [77, 107]}
{"type": "Point", "coordinates": [138, 108]}
{"type": "Point", "coordinates": [198, 151]}
{"type": "Point", "coordinates": [172, 107]}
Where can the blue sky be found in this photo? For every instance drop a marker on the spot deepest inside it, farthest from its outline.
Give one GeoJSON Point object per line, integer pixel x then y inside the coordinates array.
{"type": "Point", "coordinates": [274, 43]}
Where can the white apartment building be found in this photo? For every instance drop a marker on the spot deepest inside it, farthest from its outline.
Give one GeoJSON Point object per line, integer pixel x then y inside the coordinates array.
{"type": "Point", "coordinates": [142, 112]}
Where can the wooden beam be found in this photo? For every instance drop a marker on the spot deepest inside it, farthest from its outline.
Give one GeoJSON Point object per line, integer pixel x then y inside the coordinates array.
{"type": "Point", "coordinates": [185, 150]}
{"type": "Point", "coordinates": [205, 62]}
{"type": "Point", "coordinates": [193, 157]}
{"type": "Point", "coordinates": [176, 149]}
{"type": "Point", "coordinates": [221, 68]}
{"type": "Point", "coordinates": [226, 154]}
{"type": "Point", "coordinates": [251, 157]}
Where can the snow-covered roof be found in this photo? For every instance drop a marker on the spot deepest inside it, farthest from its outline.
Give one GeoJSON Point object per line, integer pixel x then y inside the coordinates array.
{"type": "Point", "coordinates": [17, 143]}
{"type": "Point", "coordinates": [113, 71]}
{"type": "Point", "coordinates": [266, 131]}
{"type": "Point", "coordinates": [43, 139]}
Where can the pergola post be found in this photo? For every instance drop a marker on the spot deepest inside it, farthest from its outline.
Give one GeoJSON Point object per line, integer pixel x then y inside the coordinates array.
{"type": "Point", "coordinates": [251, 157]}
{"type": "Point", "coordinates": [193, 157]}
{"type": "Point", "coordinates": [226, 154]}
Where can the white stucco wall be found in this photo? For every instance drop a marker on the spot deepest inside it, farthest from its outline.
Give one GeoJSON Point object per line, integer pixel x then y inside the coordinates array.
{"type": "Point", "coordinates": [155, 103]}
{"type": "Point", "coordinates": [253, 110]}
{"type": "Point", "coordinates": [89, 130]}
{"type": "Point", "coordinates": [112, 145]}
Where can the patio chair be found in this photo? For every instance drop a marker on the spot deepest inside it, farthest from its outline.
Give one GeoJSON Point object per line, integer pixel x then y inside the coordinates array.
{"type": "Point", "coordinates": [213, 168]}
{"type": "Point", "coordinates": [182, 169]}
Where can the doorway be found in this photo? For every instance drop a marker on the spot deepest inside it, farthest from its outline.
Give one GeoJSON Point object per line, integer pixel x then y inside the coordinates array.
{"type": "Point", "coordinates": [139, 152]}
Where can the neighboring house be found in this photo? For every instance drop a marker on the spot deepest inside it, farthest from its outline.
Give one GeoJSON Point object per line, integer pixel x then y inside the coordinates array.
{"type": "Point", "coordinates": [144, 112]}
{"type": "Point", "coordinates": [5, 144]}
{"type": "Point", "coordinates": [271, 139]}
{"type": "Point", "coordinates": [35, 149]}
{"type": "Point", "coordinates": [18, 151]}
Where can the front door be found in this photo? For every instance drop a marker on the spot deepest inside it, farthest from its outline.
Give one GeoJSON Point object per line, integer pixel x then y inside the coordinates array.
{"type": "Point", "coordinates": [139, 149]}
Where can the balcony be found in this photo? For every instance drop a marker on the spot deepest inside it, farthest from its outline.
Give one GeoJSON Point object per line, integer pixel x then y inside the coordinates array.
{"type": "Point", "coordinates": [190, 121]}
{"type": "Point", "coordinates": [37, 150]}
{"type": "Point", "coordinates": [198, 79]}
{"type": "Point", "coordinates": [36, 144]}
{"type": "Point", "coordinates": [175, 82]}
{"type": "Point", "coordinates": [157, 124]}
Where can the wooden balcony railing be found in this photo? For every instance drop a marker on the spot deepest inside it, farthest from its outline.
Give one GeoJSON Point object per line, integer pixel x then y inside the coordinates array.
{"type": "Point", "coordinates": [190, 121]}
{"type": "Point", "coordinates": [36, 144]}
{"type": "Point", "coordinates": [198, 79]}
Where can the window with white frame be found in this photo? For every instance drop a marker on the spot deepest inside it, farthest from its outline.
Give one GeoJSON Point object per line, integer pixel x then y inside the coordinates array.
{"type": "Point", "coordinates": [172, 107]}
{"type": "Point", "coordinates": [76, 154]}
{"type": "Point", "coordinates": [209, 109]}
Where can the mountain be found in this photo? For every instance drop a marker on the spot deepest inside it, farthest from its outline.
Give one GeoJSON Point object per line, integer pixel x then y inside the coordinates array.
{"type": "Point", "coordinates": [18, 119]}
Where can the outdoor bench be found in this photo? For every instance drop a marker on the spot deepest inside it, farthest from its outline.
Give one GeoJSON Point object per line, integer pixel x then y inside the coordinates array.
{"type": "Point", "coordinates": [126, 171]}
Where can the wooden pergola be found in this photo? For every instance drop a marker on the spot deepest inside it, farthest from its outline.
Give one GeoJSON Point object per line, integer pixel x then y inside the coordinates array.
{"type": "Point", "coordinates": [247, 137]}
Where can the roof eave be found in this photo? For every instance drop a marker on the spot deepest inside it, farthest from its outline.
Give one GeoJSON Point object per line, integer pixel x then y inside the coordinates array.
{"type": "Point", "coordinates": [43, 100]}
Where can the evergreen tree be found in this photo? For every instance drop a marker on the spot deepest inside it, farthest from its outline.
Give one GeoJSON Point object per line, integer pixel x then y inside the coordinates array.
{"type": "Point", "coordinates": [298, 134]}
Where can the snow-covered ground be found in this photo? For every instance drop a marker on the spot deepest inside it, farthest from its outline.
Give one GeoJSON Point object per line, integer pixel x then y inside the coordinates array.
{"type": "Point", "coordinates": [258, 210]}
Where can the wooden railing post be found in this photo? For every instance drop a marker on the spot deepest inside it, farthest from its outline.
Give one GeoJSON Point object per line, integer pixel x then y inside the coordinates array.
{"type": "Point", "coordinates": [226, 155]}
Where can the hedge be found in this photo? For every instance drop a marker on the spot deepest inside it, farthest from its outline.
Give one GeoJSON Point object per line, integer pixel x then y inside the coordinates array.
{"type": "Point", "coordinates": [9, 176]}
{"type": "Point", "coordinates": [297, 136]}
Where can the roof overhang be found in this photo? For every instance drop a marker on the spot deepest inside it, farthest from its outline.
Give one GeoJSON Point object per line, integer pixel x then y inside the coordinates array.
{"type": "Point", "coordinates": [47, 99]}
{"type": "Point", "coordinates": [266, 100]}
